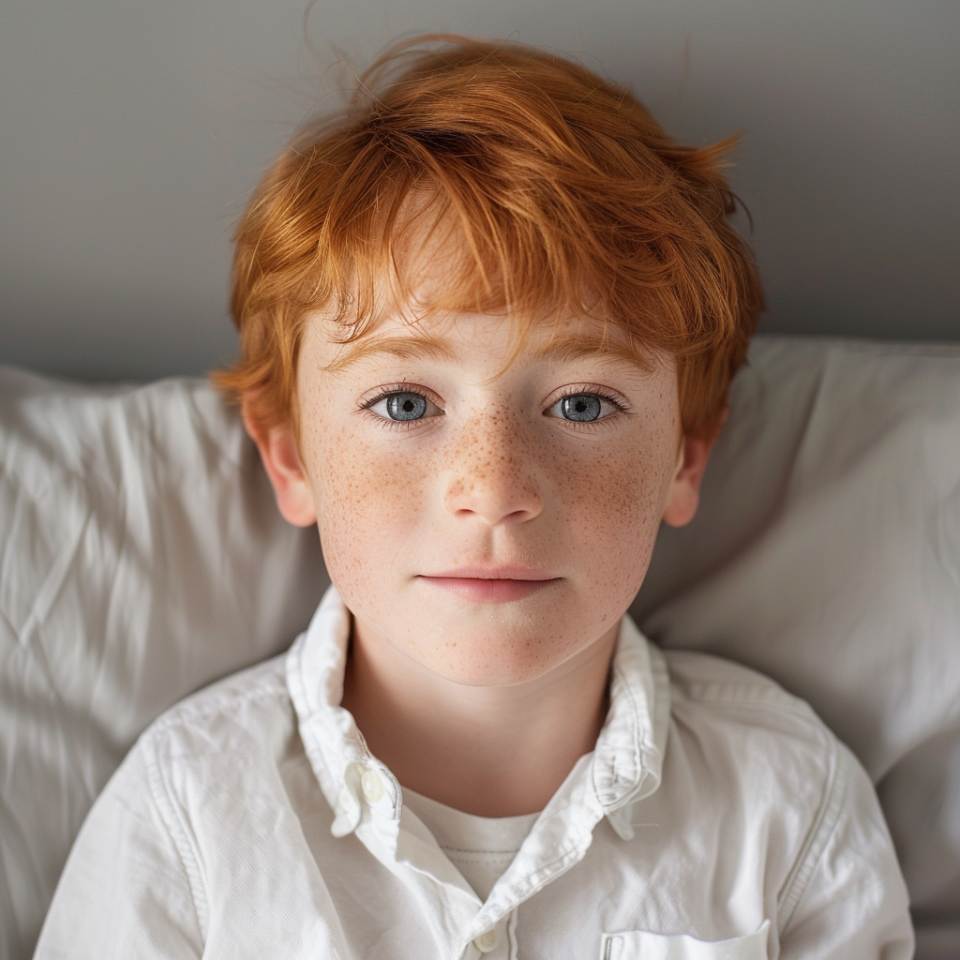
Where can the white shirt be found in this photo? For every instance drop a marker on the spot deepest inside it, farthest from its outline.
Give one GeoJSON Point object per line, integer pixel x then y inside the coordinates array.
{"type": "Point", "coordinates": [716, 818]}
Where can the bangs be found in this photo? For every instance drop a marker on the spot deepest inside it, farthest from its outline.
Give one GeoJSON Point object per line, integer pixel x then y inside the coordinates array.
{"type": "Point", "coordinates": [420, 254]}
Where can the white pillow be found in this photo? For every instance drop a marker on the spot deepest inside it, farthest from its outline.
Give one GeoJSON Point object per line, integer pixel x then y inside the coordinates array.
{"type": "Point", "coordinates": [141, 556]}
{"type": "Point", "coordinates": [826, 554]}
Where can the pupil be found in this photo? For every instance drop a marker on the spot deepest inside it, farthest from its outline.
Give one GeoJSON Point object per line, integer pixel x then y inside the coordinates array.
{"type": "Point", "coordinates": [406, 406]}
{"type": "Point", "coordinates": [583, 407]}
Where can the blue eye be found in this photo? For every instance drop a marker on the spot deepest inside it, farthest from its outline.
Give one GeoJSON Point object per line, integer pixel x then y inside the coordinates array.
{"type": "Point", "coordinates": [581, 407]}
{"type": "Point", "coordinates": [395, 407]}
{"type": "Point", "coordinates": [406, 406]}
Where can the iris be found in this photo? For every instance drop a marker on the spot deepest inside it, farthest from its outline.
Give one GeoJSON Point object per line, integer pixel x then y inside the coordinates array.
{"type": "Point", "coordinates": [582, 407]}
{"type": "Point", "coordinates": [406, 406]}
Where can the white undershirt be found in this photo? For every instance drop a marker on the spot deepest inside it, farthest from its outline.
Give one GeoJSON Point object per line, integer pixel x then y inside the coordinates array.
{"type": "Point", "coordinates": [481, 848]}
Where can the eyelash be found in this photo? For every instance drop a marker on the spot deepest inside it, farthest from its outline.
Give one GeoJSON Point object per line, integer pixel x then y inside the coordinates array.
{"type": "Point", "coordinates": [584, 391]}
{"type": "Point", "coordinates": [592, 392]}
{"type": "Point", "coordinates": [367, 405]}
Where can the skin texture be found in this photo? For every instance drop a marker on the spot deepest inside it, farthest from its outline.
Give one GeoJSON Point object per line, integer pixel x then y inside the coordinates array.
{"type": "Point", "coordinates": [484, 706]}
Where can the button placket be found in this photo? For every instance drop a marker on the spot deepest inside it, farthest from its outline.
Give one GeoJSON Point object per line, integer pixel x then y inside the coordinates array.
{"type": "Point", "coordinates": [487, 941]}
{"type": "Point", "coordinates": [495, 943]}
{"type": "Point", "coordinates": [373, 790]}
{"type": "Point", "coordinates": [371, 785]}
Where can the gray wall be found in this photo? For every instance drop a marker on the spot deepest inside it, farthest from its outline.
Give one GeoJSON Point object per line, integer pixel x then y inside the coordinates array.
{"type": "Point", "coordinates": [131, 132]}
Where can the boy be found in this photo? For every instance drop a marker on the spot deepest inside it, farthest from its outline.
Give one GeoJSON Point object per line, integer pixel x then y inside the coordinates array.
{"type": "Point", "coordinates": [489, 318]}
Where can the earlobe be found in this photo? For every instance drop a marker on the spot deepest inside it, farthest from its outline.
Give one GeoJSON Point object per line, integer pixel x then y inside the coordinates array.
{"type": "Point", "coordinates": [281, 459]}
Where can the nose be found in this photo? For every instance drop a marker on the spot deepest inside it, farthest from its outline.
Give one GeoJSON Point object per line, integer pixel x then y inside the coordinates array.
{"type": "Point", "coordinates": [492, 474]}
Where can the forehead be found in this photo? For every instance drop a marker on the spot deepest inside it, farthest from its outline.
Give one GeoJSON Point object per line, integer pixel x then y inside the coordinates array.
{"type": "Point", "coordinates": [499, 339]}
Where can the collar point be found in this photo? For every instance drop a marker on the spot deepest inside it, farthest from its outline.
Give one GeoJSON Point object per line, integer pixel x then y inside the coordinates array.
{"type": "Point", "coordinates": [620, 821]}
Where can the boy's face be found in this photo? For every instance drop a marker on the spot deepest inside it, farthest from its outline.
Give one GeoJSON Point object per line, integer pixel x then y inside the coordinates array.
{"type": "Point", "coordinates": [492, 525]}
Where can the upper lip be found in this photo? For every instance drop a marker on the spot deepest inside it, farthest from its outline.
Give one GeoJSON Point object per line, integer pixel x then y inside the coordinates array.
{"type": "Point", "coordinates": [494, 573]}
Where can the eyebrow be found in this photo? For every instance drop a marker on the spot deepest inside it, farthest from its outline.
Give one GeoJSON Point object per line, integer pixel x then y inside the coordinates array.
{"type": "Point", "coordinates": [403, 348]}
{"type": "Point", "coordinates": [592, 347]}
{"type": "Point", "coordinates": [422, 346]}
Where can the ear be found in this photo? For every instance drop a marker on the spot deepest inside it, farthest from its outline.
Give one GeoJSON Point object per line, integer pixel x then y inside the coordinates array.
{"type": "Point", "coordinates": [281, 459]}
{"type": "Point", "coordinates": [683, 497]}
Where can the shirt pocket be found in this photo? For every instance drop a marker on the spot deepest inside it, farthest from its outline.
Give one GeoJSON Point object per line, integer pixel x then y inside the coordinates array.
{"type": "Point", "coordinates": [640, 945]}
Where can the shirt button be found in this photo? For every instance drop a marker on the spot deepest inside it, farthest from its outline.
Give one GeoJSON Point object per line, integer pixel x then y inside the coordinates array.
{"type": "Point", "coordinates": [371, 785]}
{"type": "Point", "coordinates": [487, 941]}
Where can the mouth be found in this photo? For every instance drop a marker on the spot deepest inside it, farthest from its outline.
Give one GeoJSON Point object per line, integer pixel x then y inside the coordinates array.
{"type": "Point", "coordinates": [491, 584]}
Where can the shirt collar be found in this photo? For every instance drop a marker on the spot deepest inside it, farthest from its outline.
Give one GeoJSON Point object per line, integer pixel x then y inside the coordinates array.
{"type": "Point", "coordinates": [624, 767]}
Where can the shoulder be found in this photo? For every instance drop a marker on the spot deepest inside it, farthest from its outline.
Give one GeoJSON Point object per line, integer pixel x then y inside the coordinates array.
{"type": "Point", "coordinates": [237, 738]}
{"type": "Point", "coordinates": [164, 836]}
{"type": "Point", "coordinates": [248, 713]}
{"type": "Point", "coordinates": [240, 698]}
{"type": "Point", "coordinates": [715, 691]}
{"type": "Point", "coordinates": [752, 738]}
{"type": "Point", "coordinates": [769, 763]}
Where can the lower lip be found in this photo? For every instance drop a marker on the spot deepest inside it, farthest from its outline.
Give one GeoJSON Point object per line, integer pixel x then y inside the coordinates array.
{"type": "Point", "coordinates": [489, 591]}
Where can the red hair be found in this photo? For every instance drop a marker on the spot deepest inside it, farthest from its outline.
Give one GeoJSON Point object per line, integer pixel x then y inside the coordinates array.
{"type": "Point", "coordinates": [564, 195]}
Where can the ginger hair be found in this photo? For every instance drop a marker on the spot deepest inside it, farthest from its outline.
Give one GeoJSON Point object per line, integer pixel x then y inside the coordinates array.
{"type": "Point", "coordinates": [561, 195]}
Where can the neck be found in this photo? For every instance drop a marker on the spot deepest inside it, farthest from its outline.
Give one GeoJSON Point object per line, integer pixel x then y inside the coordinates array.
{"type": "Point", "coordinates": [489, 751]}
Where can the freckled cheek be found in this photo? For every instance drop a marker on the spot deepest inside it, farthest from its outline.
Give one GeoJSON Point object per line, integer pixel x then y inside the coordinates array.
{"type": "Point", "coordinates": [368, 504]}
{"type": "Point", "coordinates": [613, 506]}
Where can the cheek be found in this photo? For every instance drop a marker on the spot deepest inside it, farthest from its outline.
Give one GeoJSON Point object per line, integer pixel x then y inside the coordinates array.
{"type": "Point", "coordinates": [367, 505]}
{"type": "Point", "coordinates": [613, 508]}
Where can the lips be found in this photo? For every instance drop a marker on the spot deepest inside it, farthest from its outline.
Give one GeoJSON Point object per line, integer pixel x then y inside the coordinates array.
{"type": "Point", "coordinates": [493, 573]}
{"type": "Point", "coordinates": [504, 584]}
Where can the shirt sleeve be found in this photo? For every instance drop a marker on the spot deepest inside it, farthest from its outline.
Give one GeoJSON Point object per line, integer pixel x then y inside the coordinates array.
{"type": "Point", "coordinates": [125, 891]}
{"type": "Point", "coordinates": [847, 900]}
